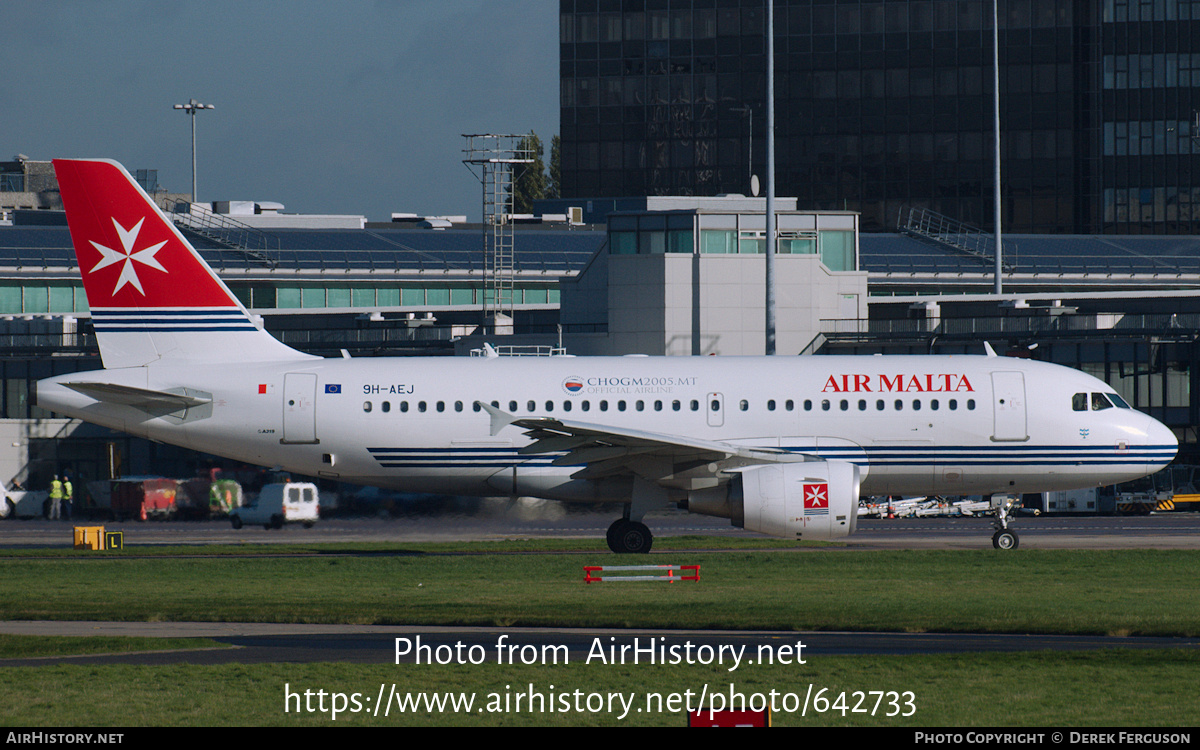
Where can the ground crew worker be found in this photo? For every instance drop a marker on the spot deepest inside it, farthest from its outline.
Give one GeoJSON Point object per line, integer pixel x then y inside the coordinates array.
{"type": "Point", "coordinates": [56, 498]}
{"type": "Point", "coordinates": [68, 497]}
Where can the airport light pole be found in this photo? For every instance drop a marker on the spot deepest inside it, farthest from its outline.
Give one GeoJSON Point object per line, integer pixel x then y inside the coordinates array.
{"type": "Point", "coordinates": [191, 107]}
{"type": "Point", "coordinates": [998, 273]}
{"type": "Point", "coordinates": [770, 259]}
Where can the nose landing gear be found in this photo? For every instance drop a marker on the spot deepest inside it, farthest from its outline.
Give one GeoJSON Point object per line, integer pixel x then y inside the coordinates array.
{"type": "Point", "coordinates": [1005, 538]}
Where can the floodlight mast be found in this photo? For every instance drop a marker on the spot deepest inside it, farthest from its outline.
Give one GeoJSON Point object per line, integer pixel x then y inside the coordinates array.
{"type": "Point", "coordinates": [191, 108]}
{"type": "Point", "coordinates": [492, 157]}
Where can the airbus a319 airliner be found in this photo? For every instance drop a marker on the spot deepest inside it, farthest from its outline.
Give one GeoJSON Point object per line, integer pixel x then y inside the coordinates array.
{"type": "Point", "coordinates": [779, 445]}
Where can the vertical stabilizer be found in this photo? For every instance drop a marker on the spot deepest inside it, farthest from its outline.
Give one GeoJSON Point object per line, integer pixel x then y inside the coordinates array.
{"type": "Point", "coordinates": [152, 297]}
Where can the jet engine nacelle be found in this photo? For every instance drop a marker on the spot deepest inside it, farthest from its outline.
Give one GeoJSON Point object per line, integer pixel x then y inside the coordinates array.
{"type": "Point", "coordinates": [811, 500]}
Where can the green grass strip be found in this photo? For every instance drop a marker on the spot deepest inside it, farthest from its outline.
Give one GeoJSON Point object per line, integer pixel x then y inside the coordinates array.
{"type": "Point", "coordinates": [1126, 592]}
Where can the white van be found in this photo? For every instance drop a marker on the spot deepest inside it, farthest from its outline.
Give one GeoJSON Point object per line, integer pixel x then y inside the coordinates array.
{"type": "Point", "coordinates": [277, 504]}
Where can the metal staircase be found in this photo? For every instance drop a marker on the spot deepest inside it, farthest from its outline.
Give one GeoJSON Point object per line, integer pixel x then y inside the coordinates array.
{"type": "Point", "coordinates": [949, 233]}
{"type": "Point", "coordinates": [251, 242]}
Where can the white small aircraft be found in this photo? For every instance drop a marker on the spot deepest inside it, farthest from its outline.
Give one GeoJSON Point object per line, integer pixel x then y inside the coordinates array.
{"type": "Point", "coordinates": [779, 445]}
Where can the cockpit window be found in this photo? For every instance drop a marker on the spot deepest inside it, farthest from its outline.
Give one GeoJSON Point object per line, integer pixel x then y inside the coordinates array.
{"type": "Point", "coordinates": [1119, 401]}
{"type": "Point", "coordinates": [1100, 402]}
{"type": "Point", "coordinates": [1079, 402]}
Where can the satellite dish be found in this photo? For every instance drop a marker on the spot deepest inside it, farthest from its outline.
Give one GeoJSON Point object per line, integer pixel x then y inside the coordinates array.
{"type": "Point", "coordinates": [754, 185]}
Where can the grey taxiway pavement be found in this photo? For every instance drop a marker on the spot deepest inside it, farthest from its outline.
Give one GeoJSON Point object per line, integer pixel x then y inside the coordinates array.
{"type": "Point", "coordinates": [369, 644]}
{"type": "Point", "coordinates": [506, 520]}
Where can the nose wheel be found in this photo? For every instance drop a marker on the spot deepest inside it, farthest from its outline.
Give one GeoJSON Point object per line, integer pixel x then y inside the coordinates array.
{"type": "Point", "coordinates": [1005, 538]}
{"type": "Point", "coordinates": [629, 537]}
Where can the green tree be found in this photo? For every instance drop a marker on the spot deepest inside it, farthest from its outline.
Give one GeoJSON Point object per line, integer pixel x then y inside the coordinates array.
{"type": "Point", "coordinates": [554, 184]}
{"type": "Point", "coordinates": [530, 184]}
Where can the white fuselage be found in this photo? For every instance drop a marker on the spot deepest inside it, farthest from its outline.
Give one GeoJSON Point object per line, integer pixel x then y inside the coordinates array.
{"type": "Point", "coordinates": [950, 425]}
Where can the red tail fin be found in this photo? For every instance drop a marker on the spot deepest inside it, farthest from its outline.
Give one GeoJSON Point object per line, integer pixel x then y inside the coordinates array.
{"type": "Point", "coordinates": [151, 295]}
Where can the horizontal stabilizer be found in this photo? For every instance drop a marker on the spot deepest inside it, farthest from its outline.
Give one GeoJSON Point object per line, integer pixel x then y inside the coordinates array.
{"type": "Point", "coordinates": [142, 398]}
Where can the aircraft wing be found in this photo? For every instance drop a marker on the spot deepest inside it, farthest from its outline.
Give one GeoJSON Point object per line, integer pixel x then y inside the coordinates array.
{"type": "Point", "coordinates": [603, 450]}
{"type": "Point", "coordinates": [142, 398]}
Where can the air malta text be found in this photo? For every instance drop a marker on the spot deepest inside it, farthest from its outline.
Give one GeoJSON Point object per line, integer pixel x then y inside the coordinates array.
{"type": "Point", "coordinates": [900, 383]}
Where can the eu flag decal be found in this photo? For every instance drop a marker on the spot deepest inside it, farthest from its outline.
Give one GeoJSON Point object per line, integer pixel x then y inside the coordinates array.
{"type": "Point", "coordinates": [333, 387]}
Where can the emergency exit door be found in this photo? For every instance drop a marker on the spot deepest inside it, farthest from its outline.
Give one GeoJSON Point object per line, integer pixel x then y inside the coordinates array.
{"type": "Point", "coordinates": [299, 408]}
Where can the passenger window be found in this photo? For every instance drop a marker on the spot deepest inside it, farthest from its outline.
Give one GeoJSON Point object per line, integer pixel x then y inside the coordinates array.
{"type": "Point", "coordinates": [844, 404]}
{"type": "Point", "coordinates": [899, 405]}
{"type": "Point", "coordinates": [743, 404]}
{"type": "Point", "coordinates": [933, 404]}
{"type": "Point", "coordinates": [620, 406]}
{"type": "Point", "coordinates": [825, 404]}
{"type": "Point", "coordinates": [771, 405]}
{"type": "Point", "coordinates": [586, 405]}
{"type": "Point", "coordinates": [367, 406]}
{"type": "Point", "coordinates": [386, 406]}
{"type": "Point", "coordinates": [879, 405]}
{"type": "Point", "coordinates": [421, 406]}
{"type": "Point", "coordinates": [603, 404]}
{"type": "Point", "coordinates": [695, 405]}
{"type": "Point", "coordinates": [916, 405]}
{"type": "Point", "coordinates": [404, 406]}
{"type": "Point", "coordinates": [441, 406]}
{"type": "Point", "coordinates": [566, 406]}
{"type": "Point", "coordinates": [458, 406]}
{"type": "Point", "coordinates": [531, 406]}
{"type": "Point", "coordinates": [862, 404]}
{"type": "Point", "coordinates": [641, 405]}
{"type": "Point", "coordinates": [658, 406]}
{"type": "Point", "coordinates": [715, 405]}
{"type": "Point", "coordinates": [549, 406]}
{"type": "Point", "coordinates": [970, 404]}
{"type": "Point", "coordinates": [1079, 402]}
{"type": "Point", "coordinates": [1100, 402]}
{"type": "Point", "coordinates": [953, 404]}
{"type": "Point", "coordinates": [512, 406]}
{"type": "Point", "coordinates": [807, 405]}
{"type": "Point", "coordinates": [789, 405]}
{"type": "Point", "coordinates": [675, 405]}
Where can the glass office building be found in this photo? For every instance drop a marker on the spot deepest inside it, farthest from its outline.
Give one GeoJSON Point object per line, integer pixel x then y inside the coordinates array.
{"type": "Point", "coordinates": [884, 105]}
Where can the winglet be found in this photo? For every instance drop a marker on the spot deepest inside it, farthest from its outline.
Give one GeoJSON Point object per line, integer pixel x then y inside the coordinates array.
{"type": "Point", "coordinates": [500, 419]}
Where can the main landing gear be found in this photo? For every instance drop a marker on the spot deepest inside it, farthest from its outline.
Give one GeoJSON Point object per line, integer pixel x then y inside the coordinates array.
{"type": "Point", "coordinates": [628, 535]}
{"type": "Point", "coordinates": [633, 537]}
{"type": "Point", "coordinates": [1005, 538]}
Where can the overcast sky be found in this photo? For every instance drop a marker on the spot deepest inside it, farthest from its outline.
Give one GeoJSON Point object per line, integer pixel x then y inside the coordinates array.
{"type": "Point", "coordinates": [355, 106]}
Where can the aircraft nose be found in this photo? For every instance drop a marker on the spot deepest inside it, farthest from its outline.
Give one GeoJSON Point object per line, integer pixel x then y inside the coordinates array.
{"type": "Point", "coordinates": [1163, 440]}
